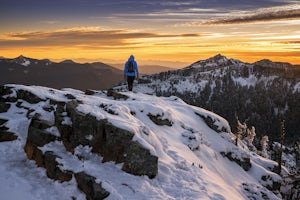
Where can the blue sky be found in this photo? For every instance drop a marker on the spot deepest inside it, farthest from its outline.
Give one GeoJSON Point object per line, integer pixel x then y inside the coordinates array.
{"type": "Point", "coordinates": [33, 14]}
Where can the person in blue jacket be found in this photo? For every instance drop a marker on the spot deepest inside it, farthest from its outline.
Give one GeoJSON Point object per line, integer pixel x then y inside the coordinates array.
{"type": "Point", "coordinates": [131, 71]}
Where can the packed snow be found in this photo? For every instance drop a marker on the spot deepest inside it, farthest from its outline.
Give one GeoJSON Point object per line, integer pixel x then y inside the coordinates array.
{"type": "Point", "coordinates": [190, 165]}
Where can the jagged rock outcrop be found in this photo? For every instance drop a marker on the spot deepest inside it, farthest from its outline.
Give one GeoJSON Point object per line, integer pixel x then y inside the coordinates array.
{"type": "Point", "coordinates": [38, 137]}
{"type": "Point", "coordinates": [76, 128]}
{"type": "Point", "coordinates": [111, 142]}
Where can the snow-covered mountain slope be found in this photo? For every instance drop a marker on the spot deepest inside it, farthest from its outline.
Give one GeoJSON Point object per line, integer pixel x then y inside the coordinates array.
{"type": "Point", "coordinates": [197, 157]}
{"type": "Point", "coordinates": [261, 93]}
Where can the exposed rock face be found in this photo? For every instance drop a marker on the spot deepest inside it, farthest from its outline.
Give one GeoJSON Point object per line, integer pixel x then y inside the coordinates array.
{"type": "Point", "coordinates": [53, 170]}
{"type": "Point", "coordinates": [88, 185]}
{"type": "Point", "coordinates": [113, 143]}
{"type": "Point", "coordinates": [211, 123]}
{"type": "Point", "coordinates": [243, 161]}
{"type": "Point", "coordinates": [157, 119]}
{"type": "Point", "coordinates": [76, 128]}
{"type": "Point", "coordinates": [37, 137]}
{"type": "Point", "coordinates": [140, 161]}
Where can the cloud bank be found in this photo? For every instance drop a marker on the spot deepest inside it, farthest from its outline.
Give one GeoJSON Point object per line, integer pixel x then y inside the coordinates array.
{"type": "Point", "coordinates": [83, 37]}
{"type": "Point", "coordinates": [260, 16]}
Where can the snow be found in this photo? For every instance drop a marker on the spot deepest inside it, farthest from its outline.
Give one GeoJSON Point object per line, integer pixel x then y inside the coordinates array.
{"type": "Point", "coordinates": [250, 81]}
{"type": "Point", "coordinates": [26, 63]}
{"type": "Point", "coordinates": [190, 165]}
{"type": "Point", "coordinates": [297, 88]}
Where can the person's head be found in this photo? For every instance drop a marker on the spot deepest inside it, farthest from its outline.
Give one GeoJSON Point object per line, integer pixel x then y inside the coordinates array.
{"type": "Point", "coordinates": [131, 57]}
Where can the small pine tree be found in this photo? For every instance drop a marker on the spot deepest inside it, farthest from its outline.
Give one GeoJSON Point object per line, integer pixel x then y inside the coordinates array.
{"type": "Point", "coordinates": [264, 142]}
{"type": "Point", "coordinates": [241, 130]}
{"type": "Point", "coordinates": [250, 135]}
{"type": "Point", "coordinates": [282, 136]}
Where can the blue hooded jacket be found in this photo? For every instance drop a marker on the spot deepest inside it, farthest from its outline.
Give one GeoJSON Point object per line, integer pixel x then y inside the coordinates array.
{"type": "Point", "coordinates": [135, 67]}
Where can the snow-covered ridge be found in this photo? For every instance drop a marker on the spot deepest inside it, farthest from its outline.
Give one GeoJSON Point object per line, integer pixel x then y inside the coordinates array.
{"type": "Point", "coordinates": [197, 157]}
{"type": "Point", "coordinates": [27, 62]}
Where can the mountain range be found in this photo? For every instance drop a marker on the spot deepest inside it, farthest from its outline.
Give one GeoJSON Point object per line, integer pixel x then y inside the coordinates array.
{"type": "Point", "coordinates": [96, 75]}
{"type": "Point", "coordinates": [260, 94]}
{"type": "Point", "coordinates": [28, 71]}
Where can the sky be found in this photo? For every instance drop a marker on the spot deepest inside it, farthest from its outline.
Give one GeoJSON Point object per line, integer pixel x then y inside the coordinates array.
{"type": "Point", "coordinates": [163, 32]}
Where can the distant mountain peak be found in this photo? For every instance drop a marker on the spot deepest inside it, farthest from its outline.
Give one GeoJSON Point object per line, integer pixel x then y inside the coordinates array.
{"type": "Point", "coordinates": [215, 61]}
{"type": "Point", "coordinates": [68, 61]}
{"type": "Point", "coordinates": [22, 60]}
{"type": "Point", "coordinates": [218, 57]}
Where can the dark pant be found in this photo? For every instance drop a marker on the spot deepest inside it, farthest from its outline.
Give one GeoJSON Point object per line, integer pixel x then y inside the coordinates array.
{"type": "Point", "coordinates": [130, 80]}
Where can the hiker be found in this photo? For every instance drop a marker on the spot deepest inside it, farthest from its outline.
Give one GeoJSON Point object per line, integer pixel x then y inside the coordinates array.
{"type": "Point", "coordinates": [131, 71]}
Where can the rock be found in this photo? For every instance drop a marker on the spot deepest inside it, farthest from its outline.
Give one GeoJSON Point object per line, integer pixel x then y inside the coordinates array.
{"type": "Point", "coordinates": [3, 121]}
{"type": "Point", "coordinates": [243, 160]}
{"type": "Point", "coordinates": [88, 185]}
{"type": "Point", "coordinates": [4, 107]}
{"type": "Point", "coordinates": [4, 90]}
{"type": "Point", "coordinates": [37, 138]}
{"type": "Point", "coordinates": [28, 96]}
{"type": "Point", "coordinates": [64, 129]}
{"type": "Point", "coordinates": [40, 124]}
{"type": "Point", "coordinates": [53, 170]}
{"type": "Point", "coordinates": [3, 128]}
{"type": "Point", "coordinates": [139, 161]}
{"type": "Point", "coordinates": [112, 143]}
{"type": "Point", "coordinates": [116, 95]}
{"type": "Point", "coordinates": [70, 96]}
{"type": "Point", "coordinates": [211, 123]}
{"type": "Point", "coordinates": [157, 119]}
{"type": "Point", "coordinates": [6, 136]}
{"type": "Point", "coordinates": [89, 92]}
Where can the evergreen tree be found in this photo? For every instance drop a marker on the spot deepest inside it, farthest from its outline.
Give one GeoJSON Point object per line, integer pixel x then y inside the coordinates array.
{"type": "Point", "coordinates": [282, 135]}
{"type": "Point", "coordinates": [264, 142]}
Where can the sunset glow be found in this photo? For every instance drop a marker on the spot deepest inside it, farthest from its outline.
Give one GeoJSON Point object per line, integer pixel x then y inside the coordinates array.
{"type": "Point", "coordinates": [154, 31]}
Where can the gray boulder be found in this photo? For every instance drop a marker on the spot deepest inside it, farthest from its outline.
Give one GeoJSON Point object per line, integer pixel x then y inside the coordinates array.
{"type": "Point", "coordinates": [88, 185]}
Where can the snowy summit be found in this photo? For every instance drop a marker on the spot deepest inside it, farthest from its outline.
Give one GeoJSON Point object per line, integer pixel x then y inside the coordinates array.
{"type": "Point", "coordinates": [191, 151]}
